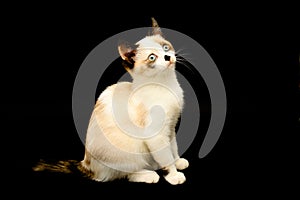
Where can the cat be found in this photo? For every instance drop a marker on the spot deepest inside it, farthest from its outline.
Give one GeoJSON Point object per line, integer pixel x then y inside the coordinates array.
{"type": "Point", "coordinates": [131, 132]}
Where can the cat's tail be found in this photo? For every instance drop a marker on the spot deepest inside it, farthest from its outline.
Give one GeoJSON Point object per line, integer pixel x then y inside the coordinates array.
{"type": "Point", "coordinates": [65, 166]}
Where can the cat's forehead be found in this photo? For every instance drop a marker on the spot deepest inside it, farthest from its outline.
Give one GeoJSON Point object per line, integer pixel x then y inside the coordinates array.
{"type": "Point", "coordinates": [153, 41]}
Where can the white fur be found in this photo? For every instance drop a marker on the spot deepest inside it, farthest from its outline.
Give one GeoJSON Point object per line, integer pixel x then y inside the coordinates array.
{"type": "Point", "coordinates": [126, 137]}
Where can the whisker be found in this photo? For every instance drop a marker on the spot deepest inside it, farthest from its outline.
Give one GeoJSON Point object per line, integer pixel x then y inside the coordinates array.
{"type": "Point", "coordinates": [182, 54]}
{"type": "Point", "coordinates": [178, 51]}
{"type": "Point", "coordinates": [182, 57]}
{"type": "Point", "coordinates": [185, 63]}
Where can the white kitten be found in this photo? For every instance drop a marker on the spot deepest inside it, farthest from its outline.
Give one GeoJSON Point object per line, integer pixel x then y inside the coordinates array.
{"type": "Point", "coordinates": [131, 132]}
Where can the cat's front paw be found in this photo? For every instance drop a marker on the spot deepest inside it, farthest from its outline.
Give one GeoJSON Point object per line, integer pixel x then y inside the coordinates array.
{"type": "Point", "coordinates": [181, 163]}
{"type": "Point", "coordinates": [175, 178]}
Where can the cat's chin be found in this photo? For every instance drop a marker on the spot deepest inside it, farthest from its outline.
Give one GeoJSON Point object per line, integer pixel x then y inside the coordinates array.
{"type": "Point", "coordinates": [171, 65]}
{"type": "Point", "coordinates": [170, 68]}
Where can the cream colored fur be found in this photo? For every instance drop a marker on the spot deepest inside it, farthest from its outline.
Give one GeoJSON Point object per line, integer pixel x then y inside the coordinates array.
{"type": "Point", "coordinates": [128, 136]}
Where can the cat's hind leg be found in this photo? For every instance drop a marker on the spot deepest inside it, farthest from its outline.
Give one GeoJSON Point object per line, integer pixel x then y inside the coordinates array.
{"type": "Point", "coordinates": [146, 176]}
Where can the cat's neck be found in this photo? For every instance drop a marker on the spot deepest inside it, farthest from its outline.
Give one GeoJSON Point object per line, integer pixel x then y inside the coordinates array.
{"type": "Point", "coordinates": [167, 78]}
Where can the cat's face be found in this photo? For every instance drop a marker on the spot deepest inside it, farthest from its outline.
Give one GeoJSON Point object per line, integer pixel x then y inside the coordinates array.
{"type": "Point", "coordinates": [152, 56]}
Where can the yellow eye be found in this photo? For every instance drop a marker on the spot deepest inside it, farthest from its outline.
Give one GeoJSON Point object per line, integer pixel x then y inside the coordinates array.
{"type": "Point", "coordinates": [152, 57]}
{"type": "Point", "coordinates": [166, 47]}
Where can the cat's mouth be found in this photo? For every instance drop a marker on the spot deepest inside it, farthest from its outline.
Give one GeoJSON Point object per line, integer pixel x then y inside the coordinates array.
{"type": "Point", "coordinates": [171, 65]}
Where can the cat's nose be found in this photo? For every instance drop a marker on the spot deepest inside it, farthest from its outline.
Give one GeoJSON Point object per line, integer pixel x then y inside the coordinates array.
{"type": "Point", "coordinates": [167, 58]}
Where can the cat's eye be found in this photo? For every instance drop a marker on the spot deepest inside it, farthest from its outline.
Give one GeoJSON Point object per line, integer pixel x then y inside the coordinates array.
{"type": "Point", "coordinates": [152, 57]}
{"type": "Point", "coordinates": [166, 47]}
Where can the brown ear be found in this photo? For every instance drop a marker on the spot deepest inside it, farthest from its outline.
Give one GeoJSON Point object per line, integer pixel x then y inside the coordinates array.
{"type": "Point", "coordinates": [124, 49]}
{"type": "Point", "coordinates": [155, 28]}
{"type": "Point", "coordinates": [127, 53]}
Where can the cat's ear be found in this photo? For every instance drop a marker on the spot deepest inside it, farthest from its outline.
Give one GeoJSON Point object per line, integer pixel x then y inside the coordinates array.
{"type": "Point", "coordinates": [127, 53]}
{"type": "Point", "coordinates": [126, 50]}
{"type": "Point", "coordinates": [155, 28]}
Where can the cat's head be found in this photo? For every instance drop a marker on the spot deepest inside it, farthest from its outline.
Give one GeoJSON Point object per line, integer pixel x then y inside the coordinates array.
{"type": "Point", "coordinates": [151, 56]}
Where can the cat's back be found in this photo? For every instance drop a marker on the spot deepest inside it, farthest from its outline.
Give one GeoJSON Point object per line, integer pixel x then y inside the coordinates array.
{"type": "Point", "coordinates": [115, 92]}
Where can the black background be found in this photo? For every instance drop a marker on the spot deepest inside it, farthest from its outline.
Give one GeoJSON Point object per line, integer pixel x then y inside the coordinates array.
{"type": "Point", "coordinates": [256, 48]}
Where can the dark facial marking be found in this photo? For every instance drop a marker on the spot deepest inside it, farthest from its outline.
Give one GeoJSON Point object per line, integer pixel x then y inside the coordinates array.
{"type": "Point", "coordinates": [167, 58]}
{"type": "Point", "coordinates": [128, 63]}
